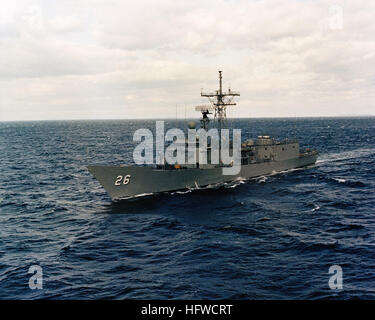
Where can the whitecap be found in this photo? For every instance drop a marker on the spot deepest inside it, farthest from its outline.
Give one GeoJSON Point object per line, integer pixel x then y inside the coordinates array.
{"type": "Point", "coordinates": [261, 179]}
{"type": "Point", "coordinates": [315, 209]}
{"type": "Point", "coordinates": [182, 191]}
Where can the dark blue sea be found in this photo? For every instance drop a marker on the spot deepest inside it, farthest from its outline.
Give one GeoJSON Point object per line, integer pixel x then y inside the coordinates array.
{"type": "Point", "coordinates": [274, 237]}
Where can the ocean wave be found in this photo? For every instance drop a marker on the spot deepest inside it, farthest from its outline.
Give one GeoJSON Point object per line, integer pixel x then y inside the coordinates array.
{"type": "Point", "coordinates": [348, 182]}
{"type": "Point", "coordinates": [262, 234]}
{"type": "Point", "coordinates": [316, 208]}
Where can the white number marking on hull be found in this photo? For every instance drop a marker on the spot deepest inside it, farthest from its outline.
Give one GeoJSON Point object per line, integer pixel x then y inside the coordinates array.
{"type": "Point", "coordinates": [119, 179]}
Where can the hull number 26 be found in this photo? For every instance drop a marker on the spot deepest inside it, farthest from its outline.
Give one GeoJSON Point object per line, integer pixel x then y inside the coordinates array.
{"type": "Point", "coordinates": [122, 180]}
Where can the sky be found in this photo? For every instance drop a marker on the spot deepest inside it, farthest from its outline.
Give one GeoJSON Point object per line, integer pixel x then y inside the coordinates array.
{"type": "Point", "coordinates": [109, 59]}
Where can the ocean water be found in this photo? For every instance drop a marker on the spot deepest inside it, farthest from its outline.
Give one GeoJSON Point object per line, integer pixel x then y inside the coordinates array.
{"type": "Point", "coordinates": [273, 237]}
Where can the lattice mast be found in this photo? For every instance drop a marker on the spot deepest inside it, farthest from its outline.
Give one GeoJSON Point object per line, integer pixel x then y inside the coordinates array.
{"type": "Point", "coordinates": [219, 101]}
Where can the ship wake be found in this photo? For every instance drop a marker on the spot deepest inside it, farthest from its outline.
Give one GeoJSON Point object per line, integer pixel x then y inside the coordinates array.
{"type": "Point", "coordinates": [346, 155]}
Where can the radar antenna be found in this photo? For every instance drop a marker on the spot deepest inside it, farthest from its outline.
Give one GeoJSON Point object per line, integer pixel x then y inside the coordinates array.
{"type": "Point", "coordinates": [219, 101]}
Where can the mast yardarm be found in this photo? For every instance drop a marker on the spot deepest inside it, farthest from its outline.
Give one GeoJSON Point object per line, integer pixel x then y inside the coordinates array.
{"type": "Point", "coordinates": [219, 101]}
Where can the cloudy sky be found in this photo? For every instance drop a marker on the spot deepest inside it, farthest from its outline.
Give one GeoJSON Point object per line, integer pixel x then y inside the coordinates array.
{"type": "Point", "coordinates": [107, 59]}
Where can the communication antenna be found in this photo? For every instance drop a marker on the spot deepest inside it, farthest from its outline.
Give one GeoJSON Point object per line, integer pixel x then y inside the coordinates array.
{"type": "Point", "coordinates": [219, 101]}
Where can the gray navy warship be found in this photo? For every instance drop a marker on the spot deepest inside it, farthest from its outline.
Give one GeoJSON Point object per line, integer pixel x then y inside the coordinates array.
{"type": "Point", "coordinates": [261, 156]}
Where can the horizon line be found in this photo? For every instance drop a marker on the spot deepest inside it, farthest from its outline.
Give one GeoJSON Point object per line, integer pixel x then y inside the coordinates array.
{"type": "Point", "coordinates": [188, 118]}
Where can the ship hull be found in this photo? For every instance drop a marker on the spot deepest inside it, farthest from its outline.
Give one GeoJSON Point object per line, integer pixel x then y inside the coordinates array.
{"type": "Point", "coordinates": [123, 182]}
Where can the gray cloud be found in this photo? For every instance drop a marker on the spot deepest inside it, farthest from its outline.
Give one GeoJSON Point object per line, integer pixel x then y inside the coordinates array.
{"type": "Point", "coordinates": [134, 59]}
